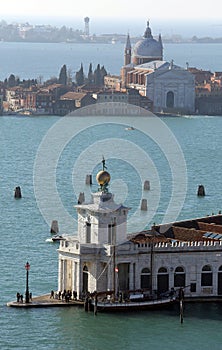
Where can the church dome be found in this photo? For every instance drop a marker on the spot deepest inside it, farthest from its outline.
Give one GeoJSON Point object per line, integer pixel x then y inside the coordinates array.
{"type": "Point", "coordinates": [147, 49]}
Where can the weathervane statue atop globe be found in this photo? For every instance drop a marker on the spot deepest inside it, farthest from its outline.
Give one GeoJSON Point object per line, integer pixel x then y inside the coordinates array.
{"type": "Point", "coordinates": [103, 178]}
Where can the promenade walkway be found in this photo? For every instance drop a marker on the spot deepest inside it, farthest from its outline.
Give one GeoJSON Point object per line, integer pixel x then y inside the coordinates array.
{"type": "Point", "coordinates": [45, 301]}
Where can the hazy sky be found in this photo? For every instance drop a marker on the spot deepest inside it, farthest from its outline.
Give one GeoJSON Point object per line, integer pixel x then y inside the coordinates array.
{"type": "Point", "coordinates": [98, 8]}
{"type": "Point", "coordinates": [164, 15]}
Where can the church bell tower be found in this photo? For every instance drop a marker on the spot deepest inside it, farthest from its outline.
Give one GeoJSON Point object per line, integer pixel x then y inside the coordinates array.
{"type": "Point", "coordinates": [128, 53]}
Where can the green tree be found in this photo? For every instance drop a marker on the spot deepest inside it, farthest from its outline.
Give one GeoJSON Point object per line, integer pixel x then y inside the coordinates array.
{"type": "Point", "coordinates": [80, 76]}
{"type": "Point", "coordinates": [63, 75]}
{"type": "Point", "coordinates": [103, 73]}
{"type": "Point", "coordinates": [90, 75]}
{"type": "Point", "coordinates": [97, 76]}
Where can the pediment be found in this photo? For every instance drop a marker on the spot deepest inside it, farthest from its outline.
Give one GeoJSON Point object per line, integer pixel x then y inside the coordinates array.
{"type": "Point", "coordinates": [176, 75]}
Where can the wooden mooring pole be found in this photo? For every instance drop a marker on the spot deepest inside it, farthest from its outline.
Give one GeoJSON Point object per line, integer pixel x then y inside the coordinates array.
{"type": "Point", "coordinates": [95, 304]}
{"type": "Point", "coordinates": [181, 299]}
{"type": "Point", "coordinates": [181, 311]}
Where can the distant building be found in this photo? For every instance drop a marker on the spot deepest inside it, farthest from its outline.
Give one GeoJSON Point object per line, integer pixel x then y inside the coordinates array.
{"type": "Point", "coordinates": [110, 96]}
{"type": "Point", "coordinates": [44, 102]}
{"type": "Point", "coordinates": [86, 28]}
{"type": "Point", "coordinates": [14, 98]}
{"type": "Point", "coordinates": [1, 104]}
{"type": "Point", "coordinates": [71, 101]}
{"type": "Point", "coordinates": [112, 82]}
{"type": "Point", "coordinates": [208, 91]}
{"type": "Point", "coordinates": [130, 96]}
{"type": "Point", "coordinates": [135, 98]}
{"type": "Point", "coordinates": [170, 88]}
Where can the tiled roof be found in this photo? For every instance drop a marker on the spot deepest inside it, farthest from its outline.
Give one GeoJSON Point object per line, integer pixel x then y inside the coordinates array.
{"type": "Point", "coordinates": [207, 228]}
{"type": "Point", "coordinates": [73, 96]}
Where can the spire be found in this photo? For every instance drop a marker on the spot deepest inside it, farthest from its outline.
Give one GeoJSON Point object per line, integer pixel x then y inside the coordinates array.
{"type": "Point", "coordinates": [148, 33]}
{"type": "Point", "coordinates": [128, 43]}
{"type": "Point", "coordinates": [161, 45]}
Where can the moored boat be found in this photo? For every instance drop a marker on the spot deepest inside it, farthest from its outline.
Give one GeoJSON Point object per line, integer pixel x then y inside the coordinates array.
{"type": "Point", "coordinates": [55, 238]}
{"type": "Point", "coordinates": [135, 302]}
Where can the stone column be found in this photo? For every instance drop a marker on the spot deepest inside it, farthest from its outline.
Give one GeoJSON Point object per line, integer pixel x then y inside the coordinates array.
{"type": "Point", "coordinates": [60, 275]}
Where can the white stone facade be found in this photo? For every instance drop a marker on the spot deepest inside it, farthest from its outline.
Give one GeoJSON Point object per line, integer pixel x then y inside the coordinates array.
{"type": "Point", "coordinates": [103, 258]}
{"type": "Point", "coordinates": [191, 258]}
{"type": "Point", "coordinates": [178, 82]}
{"type": "Point", "coordinates": [170, 87]}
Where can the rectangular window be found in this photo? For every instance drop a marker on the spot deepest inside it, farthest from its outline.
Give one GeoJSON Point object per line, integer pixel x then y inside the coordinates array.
{"type": "Point", "coordinates": [88, 232]}
{"type": "Point", "coordinates": [179, 280]}
{"type": "Point", "coordinates": [193, 287]}
{"type": "Point", "coordinates": [112, 234]}
{"type": "Point", "coordinates": [206, 279]}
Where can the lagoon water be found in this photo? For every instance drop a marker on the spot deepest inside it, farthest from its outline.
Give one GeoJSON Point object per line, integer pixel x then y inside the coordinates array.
{"type": "Point", "coordinates": [34, 60]}
{"type": "Point", "coordinates": [24, 229]}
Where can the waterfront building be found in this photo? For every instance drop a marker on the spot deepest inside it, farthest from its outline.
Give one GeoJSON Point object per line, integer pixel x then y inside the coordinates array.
{"type": "Point", "coordinates": [104, 257]}
{"type": "Point", "coordinates": [208, 92]}
{"type": "Point", "coordinates": [110, 96]}
{"type": "Point", "coordinates": [170, 87]}
{"type": "Point", "coordinates": [71, 101]}
{"type": "Point", "coordinates": [14, 98]}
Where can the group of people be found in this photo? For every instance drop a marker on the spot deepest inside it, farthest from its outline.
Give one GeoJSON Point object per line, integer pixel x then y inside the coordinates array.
{"type": "Point", "coordinates": [65, 295]}
{"type": "Point", "coordinates": [19, 297]}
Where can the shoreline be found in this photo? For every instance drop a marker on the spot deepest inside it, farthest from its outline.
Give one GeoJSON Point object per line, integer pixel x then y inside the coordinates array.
{"type": "Point", "coordinates": [45, 301]}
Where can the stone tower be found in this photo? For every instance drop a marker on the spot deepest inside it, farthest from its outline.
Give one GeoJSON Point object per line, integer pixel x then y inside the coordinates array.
{"type": "Point", "coordinates": [86, 29]}
{"type": "Point", "coordinates": [127, 53]}
{"type": "Point", "coordinates": [102, 221]}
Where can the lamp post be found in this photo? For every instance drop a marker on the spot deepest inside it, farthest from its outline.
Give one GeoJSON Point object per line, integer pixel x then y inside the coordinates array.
{"type": "Point", "coordinates": [27, 267]}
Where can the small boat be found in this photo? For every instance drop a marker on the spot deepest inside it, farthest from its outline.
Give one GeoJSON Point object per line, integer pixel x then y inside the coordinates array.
{"type": "Point", "coordinates": [135, 302]}
{"type": "Point", "coordinates": [55, 238]}
{"type": "Point", "coordinates": [130, 128]}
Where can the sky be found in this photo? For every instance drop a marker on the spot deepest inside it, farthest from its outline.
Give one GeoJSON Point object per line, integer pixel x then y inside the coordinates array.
{"type": "Point", "coordinates": [171, 12]}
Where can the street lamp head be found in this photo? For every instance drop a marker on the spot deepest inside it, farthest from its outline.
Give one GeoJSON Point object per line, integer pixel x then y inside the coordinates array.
{"type": "Point", "coordinates": [27, 266]}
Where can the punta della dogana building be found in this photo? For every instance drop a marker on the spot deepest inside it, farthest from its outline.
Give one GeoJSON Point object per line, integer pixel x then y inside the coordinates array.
{"type": "Point", "coordinates": [103, 257]}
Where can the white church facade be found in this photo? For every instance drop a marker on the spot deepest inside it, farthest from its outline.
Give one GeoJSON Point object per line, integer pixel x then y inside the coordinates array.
{"type": "Point", "coordinates": [169, 86]}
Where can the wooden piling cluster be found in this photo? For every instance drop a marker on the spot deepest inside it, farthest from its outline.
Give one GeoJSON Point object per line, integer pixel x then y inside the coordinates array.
{"type": "Point", "coordinates": [18, 192]}
{"type": "Point", "coordinates": [88, 179]}
{"type": "Point", "coordinates": [54, 227]}
{"type": "Point", "coordinates": [201, 191]}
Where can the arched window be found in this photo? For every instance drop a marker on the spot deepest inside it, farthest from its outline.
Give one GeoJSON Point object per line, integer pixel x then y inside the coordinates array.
{"type": "Point", "coordinates": [145, 278]}
{"type": "Point", "coordinates": [162, 270]}
{"type": "Point", "coordinates": [179, 277]}
{"type": "Point", "coordinates": [170, 99]}
{"type": "Point", "coordinates": [206, 276]}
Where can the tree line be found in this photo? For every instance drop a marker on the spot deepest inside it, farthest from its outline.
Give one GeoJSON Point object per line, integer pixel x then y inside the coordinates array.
{"type": "Point", "coordinates": [92, 78]}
